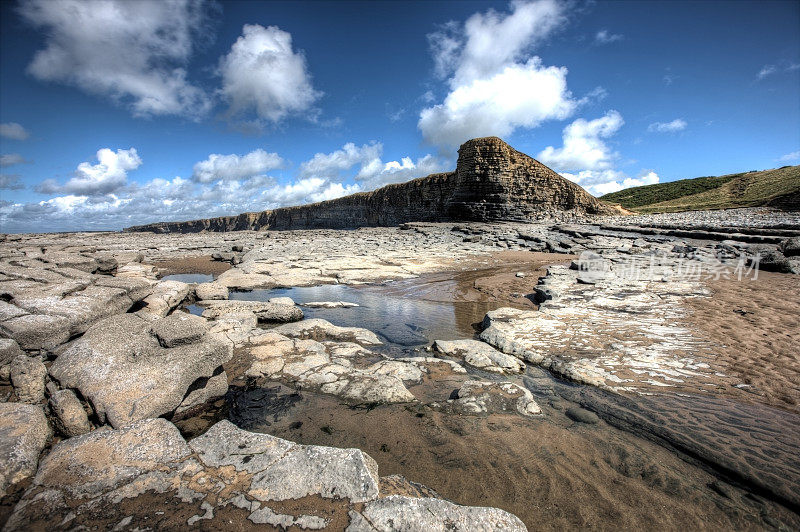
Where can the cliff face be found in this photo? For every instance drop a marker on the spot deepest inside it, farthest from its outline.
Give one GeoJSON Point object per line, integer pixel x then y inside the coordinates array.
{"type": "Point", "coordinates": [492, 182]}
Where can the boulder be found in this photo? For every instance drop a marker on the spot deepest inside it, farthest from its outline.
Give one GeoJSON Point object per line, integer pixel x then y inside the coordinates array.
{"type": "Point", "coordinates": [265, 311]}
{"type": "Point", "coordinates": [791, 247]}
{"type": "Point", "coordinates": [180, 328]}
{"type": "Point", "coordinates": [480, 355]}
{"type": "Point", "coordinates": [212, 290]}
{"type": "Point", "coordinates": [121, 366]}
{"type": "Point", "coordinates": [28, 376]}
{"type": "Point", "coordinates": [397, 512]}
{"type": "Point", "coordinates": [69, 416]}
{"type": "Point", "coordinates": [23, 434]}
{"type": "Point", "coordinates": [166, 296]}
{"type": "Point", "coordinates": [319, 329]}
{"type": "Point", "coordinates": [9, 350]}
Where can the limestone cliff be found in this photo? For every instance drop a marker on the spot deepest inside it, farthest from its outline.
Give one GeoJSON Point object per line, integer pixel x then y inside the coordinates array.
{"type": "Point", "coordinates": [492, 182]}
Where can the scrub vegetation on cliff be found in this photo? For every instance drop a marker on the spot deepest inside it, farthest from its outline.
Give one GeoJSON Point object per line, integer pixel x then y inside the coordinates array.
{"type": "Point", "coordinates": [776, 188]}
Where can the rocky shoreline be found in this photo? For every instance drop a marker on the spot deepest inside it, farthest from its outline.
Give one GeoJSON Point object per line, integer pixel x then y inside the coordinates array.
{"type": "Point", "coordinates": [100, 360]}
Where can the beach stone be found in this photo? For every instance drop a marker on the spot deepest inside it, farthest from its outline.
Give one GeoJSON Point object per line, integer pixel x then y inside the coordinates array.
{"type": "Point", "coordinates": [69, 416]}
{"type": "Point", "coordinates": [581, 415]}
{"type": "Point", "coordinates": [264, 311]}
{"type": "Point", "coordinates": [480, 355]}
{"type": "Point", "coordinates": [319, 329]}
{"type": "Point", "coordinates": [122, 368]}
{"type": "Point", "coordinates": [285, 470]}
{"type": "Point", "coordinates": [28, 375]}
{"type": "Point", "coordinates": [212, 290]}
{"type": "Point", "coordinates": [87, 466]}
{"type": "Point", "coordinates": [396, 512]}
{"type": "Point", "coordinates": [9, 350]}
{"type": "Point", "coordinates": [203, 391]}
{"type": "Point", "coordinates": [179, 328]}
{"type": "Point", "coordinates": [791, 247]}
{"type": "Point", "coordinates": [166, 296]}
{"type": "Point", "coordinates": [486, 397]}
{"type": "Point", "coordinates": [23, 434]}
{"type": "Point", "coordinates": [282, 300]}
{"type": "Point", "coordinates": [329, 304]}
{"type": "Point", "coordinates": [329, 367]}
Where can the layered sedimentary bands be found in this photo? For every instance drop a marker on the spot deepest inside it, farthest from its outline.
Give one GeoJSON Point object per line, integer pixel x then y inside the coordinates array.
{"type": "Point", "coordinates": [492, 181]}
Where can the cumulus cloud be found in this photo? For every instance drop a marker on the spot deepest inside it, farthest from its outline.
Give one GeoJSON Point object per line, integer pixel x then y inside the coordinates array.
{"type": "Point", "coordinates": [790, 157]}
{"type": "Point", "coordinates": [495, 86]}
{"type": "Point", "coordinates": [100, 197]}
{"type": "Point", "coordinates": [132, 52]}
{"type": "Point", "coordinates": [235, 167]}
{"type": "Point", "coordinates": [13, 131]}
{"type": "Point", "coordinates": [583, 147]}
{"type": "Point", "coordinates": [679, 124]}
{"type": "Point", "coordinates": [10, 159]}
{"type": "Point", "coordinates": [373, 172]}
{"type": "Point", "coordinates": [587, 160]}
{"type": "Point", "coordinates": [10, 182]}
{"type": "Point", "coordinates": [605, 37]}
{"type": "Point", "coordinates": [108, 175]}
{"type": "Point", "coordinates": [262, 73]}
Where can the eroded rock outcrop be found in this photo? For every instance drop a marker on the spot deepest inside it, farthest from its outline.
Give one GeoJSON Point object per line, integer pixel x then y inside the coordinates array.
{"type": "Point", "coordinates": [227, 472]}
{"type": "Point", "coordinates": [492, 181]}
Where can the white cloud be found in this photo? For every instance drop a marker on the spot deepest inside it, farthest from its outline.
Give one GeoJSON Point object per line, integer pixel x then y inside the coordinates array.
{"type": "Point", "coordinates": [679, 124]}
{"type": "Point", "coordinates": [583, 147]}
{"type": "Point", "coordinates": [13, 131]}
{"type": "Point", "coordinates": [790, 157]}
{"type": "Point", "coordinates": [10, 182]}
{"type": "Point", "coordinates": [107, 176]}
{"type": "Point", "coordinates": [263, 73]}
{"type": "Point", "coordinates": [99, 196]}
{"type": "Point", "coordinates": [495, 85]}
{"type": "Point", "coordinates": [372, 172]}
{"type": "Point", "coordinates": [10, 159]}
{"type": "Point", "coordinates": [608, 181]}
{"type": "Point", "coordinates": [235, 167]}
{"type": "Point", "coordinates": [604, 37]}
{"type": "Point", "coordinates": [766, 70]}
{"type": "Point", "coordinates": [132, 52]}
{"type": "Point", "coordinates": [587, 160]}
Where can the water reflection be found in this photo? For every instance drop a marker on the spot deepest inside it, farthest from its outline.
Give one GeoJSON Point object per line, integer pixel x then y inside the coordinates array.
{"type": "Point", "coordinates": [398, 317]}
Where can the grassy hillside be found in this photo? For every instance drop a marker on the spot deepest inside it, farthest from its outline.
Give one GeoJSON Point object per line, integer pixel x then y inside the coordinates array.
{"type": "Point", "coordinates": [779, 188]}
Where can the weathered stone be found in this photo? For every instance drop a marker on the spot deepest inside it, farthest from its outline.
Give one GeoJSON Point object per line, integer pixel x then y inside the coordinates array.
{"type": "Point", "coordinates": [166, 296]}
{"type": "Point", "coordinates": [329, 304]}
{"type": "Point", "coordinates": [329, 368]}
{"type": "Point", "coordinates": [282, 300]}
{"type": "Point", "coordinates": [265, 311]}
{"type": "Point", "coordinates": [202, 391]}
{"type": "Point", "coordinates": [791, 247]}
{"type": "Point", "coordinates": [128, 375]}
{"type": "Point", "coordinates": [480, 355]}
{"type": "Point", "coordinates": [319, 329]}
{"type": "Point", "coordinates": [28, 376]}
{"type": "Point", "coordinates": [406, 513]}
{"type": "Point", "coordinates": [9, 349]}
{"type": "Point", "coordinates": [582, 415]}
{"type": "Point", "coordinates": [89, 465]}
{"type": "Point", "coordinates": [285, 470]}
{"type": "Point", "coordinates": [23, 434]}
{"type": "Point", "coordinates": [180, 328]}
{"type": "Point", "coordinates": [212, 290]}
{"type": "Point", "coordinates": [69, 416]}
{"type": "Point", "coordinates": [485, 397]}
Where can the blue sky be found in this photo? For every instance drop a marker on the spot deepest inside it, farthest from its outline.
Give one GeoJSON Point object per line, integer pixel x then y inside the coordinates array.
{"type": "Point", "coordinates": [117, 113]}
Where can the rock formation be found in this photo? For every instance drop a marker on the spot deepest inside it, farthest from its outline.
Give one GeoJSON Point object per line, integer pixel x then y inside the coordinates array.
{"type": "Point", "coordinates": [492, 181]}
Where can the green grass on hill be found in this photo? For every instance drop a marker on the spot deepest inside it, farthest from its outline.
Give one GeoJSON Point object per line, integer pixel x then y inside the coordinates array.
{"type": "Point", "coordinates": [779, 188]}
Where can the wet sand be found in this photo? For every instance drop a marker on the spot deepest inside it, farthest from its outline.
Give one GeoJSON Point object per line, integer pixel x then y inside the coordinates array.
{"type": "Point", "coordinates": [551, 472]}
{"type": "Point", "coordinates": [755, 327]}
